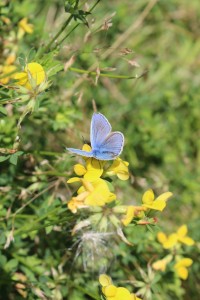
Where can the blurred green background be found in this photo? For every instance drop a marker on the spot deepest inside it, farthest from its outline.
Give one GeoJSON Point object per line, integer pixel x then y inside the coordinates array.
{"type": "Point", "coordinates": [158, 114]}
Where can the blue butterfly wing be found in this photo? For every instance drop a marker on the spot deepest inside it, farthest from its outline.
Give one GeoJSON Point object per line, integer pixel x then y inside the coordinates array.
{"type": "Point", "coordinates": [99, 130]}
{"type": "Point", "coordinates": [81, 152]}
{"type": "Point", "coordinates": [111, 148]}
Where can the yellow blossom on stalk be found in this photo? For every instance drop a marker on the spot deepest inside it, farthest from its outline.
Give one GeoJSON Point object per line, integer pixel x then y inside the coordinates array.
{"type": "Point", "coordinates": [182, 236]}
{"type": "Point", "coordinates": [7, 69]}
{"type": "Point", "coordinates": [32, 77]}
{"type": "Point", "coordinates": [181, 267]}
{"type": "Point", "coordinates": [132, 212]}
{"type": "Point", "coordinates": [167, 241]}
{"type": "Point", "coordinates": [25, 27]}
{"type": "Point", "coordinates": [119, 168]}
{"type": "Point", "coordinates": [91, 171]}
{"type": "Point", "coordinates": [173, 239]}
{"type": "Point", "coordinates": [160, 265]}
{"type": "Point", "coordinates": [93, 168]}
{"type": "Point", "coordinates": [90, 194]}
{"type": "Point", "coordinates": [111, 292]}
{"type": "Point", "coordinates": [159, 203]}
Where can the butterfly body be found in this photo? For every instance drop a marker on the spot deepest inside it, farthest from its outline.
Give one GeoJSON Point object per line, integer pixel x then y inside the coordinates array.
{"type": "Point", "coordinates": [106, 145]}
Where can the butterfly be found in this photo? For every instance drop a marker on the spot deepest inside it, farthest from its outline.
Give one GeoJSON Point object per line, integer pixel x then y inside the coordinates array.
{"type": "Point", "coordinates": [106, 145]}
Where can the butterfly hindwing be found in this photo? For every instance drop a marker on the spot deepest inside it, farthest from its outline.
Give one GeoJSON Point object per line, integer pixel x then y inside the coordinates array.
{"type": "Point", "coordinates": [99, 130]}
{"type": "Point", "coordinates": [112, 146]}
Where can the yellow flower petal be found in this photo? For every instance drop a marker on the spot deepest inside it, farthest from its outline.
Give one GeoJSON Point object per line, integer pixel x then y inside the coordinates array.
{"type": "Point", "coordinates": [182, 272]}
{"type": "Point", "coordinates": [99, 195]}
{"type": "Point", "coordinates": [182, 231]}
{"type": "Point", "coordinates": [126, 220]}
{"type": "Point", "coordinates": [7, 69]}
{"type": "Point", "coordinates": [160, 265]}
{"type": "Point", "coordinates": [23, 24]}
{"type": "Point", "coordinates": [109, 291]}
{"type": "Point", "coordinates": [111, 197]}
{"type": "Point", "coordinates": [148, 197]}
{"type": "Point", "coordinates": [164, 196]}
{"type": "Point", "coordinates": [181, 267]}
{"type": "Point", "coordinates": [156, 205]}
{"type": "Point", "coordinates": [105, 280]}
{"type": "Point", "coordinates": [94, 169]}
{"type": "Point", "coordinates": [73, 179]}
{"type": "Point", "coordinates": [161, 236]}
{"type": "Point", "coordinates": [119, 168]}
{"type": "Point", "coordinates": [171, 241]}
{"type": "Point", "coordinates": [33, 72]}
{"type": "Point", "coordinates": [79, 169]}
{"type": "Point", "coordinates": [86, 147]}
{"type": "Point", "coordinates": [21, 77]}
{"type": "Point", "coordinates": [10, 59]}
{"type": "Point", "coordinates": [36, 71]}
{"type": "Point", "coordinates": [122, 293]}
{"type": "Point", "coordinates": [186, 262]}
{"type": "Point", "coordinates": [187, 241]}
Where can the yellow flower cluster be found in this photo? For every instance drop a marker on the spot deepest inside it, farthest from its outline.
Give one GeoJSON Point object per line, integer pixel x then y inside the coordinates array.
{"type": "Point", "coordinates": [32, 76]}
{"type": "Point", "coordinates": [174, 241]}
{"type": "Point", "coordinates": [7, 70]}
{"type": "Point", "coordinates": [94, 190]}
{"type": "Point", "coordinates": [24, 27]}
{"type": "Point", "coordinates": [111, 292]}
{"type": "Point", "coordinates": [179, 237]}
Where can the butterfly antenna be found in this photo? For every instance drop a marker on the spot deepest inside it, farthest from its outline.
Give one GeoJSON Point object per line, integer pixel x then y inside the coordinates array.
{"type": "Point", "coordinates": [84, 140]}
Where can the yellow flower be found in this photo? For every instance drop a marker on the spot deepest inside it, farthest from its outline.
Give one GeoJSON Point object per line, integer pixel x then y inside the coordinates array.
{"type": "Point", "coordinates": [90, 194]}
{"type": "Point", "coordinates": [160, 265]}
{"type": "Point", "coordinates": [24, 27]}
{"type": "Point", "coordinates": [181, 267]}
{"type": "Point", "coordinates": [33, 76]}
{"type": "Point", "coordinates": [159, 203]}
{"type": "Point", "coordinates": [173, 239]}
{"type": "Point", "coordinates": [93, 168]}
{"type": "Point", "coordinates": [167, 241]}
{"type": "Point", "coordinates": [92, 171]}
{"type": "Point", "coordinates": [119, 168]}
{"type": "Point", "coordinates": [111, 292]}
{"type": "Point", "coordinates": [131, 212]}
{"type": "Point", "coordinates": [6, 70]}
{"type": "Point", "coordinates": [182, 236]}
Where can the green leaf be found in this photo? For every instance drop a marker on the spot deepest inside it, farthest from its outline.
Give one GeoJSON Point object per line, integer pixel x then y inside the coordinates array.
{"type": "Point", "coordinates": [3, 260]}
{"type": "Point", "coordinates": [3, 111]}
{"type": "Point", "coordinates": [14, 157]}
{"type": "Point", "coordinates": [3, 158]}
{"type": "Point", "coordinates": [11, 264]}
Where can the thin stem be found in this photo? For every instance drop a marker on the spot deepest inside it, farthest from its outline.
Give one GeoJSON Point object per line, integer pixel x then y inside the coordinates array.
{"type": "Point", "coordinates": [93, 73]}
{"type": "Point", "coordinates": [68, 34]}
{"type": "Point", "coordinates": [51, 173]}
{"type": "Point", "coordinates": [48, 46]}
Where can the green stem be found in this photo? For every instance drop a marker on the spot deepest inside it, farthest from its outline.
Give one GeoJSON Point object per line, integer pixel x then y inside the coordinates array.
{"type": "Point", "coordinates": [68, 34]}
{"type": "Point", "coordinates": [93, 73]}
{"type": "Point", "coordinates": [48, 46]}
{"type": "Point", "coordinates": [51, 173]}
{"type": "Point", "coordinates": [47, 153]}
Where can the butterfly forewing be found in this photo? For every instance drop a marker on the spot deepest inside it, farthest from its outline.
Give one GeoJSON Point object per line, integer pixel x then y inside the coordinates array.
{"type": "Point", "coordinates": [80, 152]}
{"type": "Point", "coordinates": [99, 130]}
